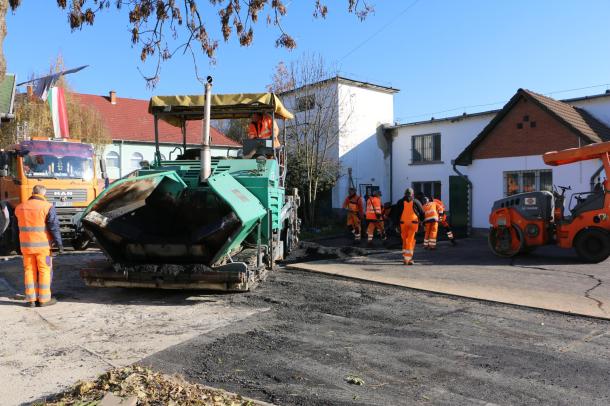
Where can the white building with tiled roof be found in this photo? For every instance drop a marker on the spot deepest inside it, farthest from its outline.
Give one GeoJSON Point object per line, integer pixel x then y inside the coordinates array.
{"type": "Point", "coordinates": [497, 153]}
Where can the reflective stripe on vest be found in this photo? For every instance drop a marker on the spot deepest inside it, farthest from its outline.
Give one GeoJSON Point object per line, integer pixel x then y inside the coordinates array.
{"type": "Point", "coordinates": [32, 217]}
{"type": "Point", "coordinates": [408, 214]}
{"type": "Point", "coordinates": [373, 208]}
{"type": "Point", "coordinates": [430, 211]}
{"type": "Point", "coordinates": [32, 229]}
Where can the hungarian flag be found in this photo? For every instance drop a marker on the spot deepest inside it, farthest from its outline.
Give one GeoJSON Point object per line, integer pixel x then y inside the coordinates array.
{"type": "Point", "coordinates": [59, 112]}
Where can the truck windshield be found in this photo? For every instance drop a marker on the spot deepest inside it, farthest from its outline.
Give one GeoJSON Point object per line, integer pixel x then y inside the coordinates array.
{"type": "Point", "coordinates": [54, 166]}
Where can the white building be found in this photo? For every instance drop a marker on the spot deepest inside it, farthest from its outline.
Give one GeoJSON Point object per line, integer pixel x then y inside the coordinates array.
{"type": "Point", "coordinates": [131, 129]}
{"type": "Point", "coordinates": [499, 152]}
{"type": "Point", "coordinates": [357, 112]}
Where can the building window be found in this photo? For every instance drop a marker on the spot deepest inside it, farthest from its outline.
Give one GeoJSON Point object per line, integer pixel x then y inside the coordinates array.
{"type": "Point", "coordinates": [532, 124]}
{"type": "Point", "coordinates": [426, 148]}
{"type": "Point", "coordinates": [135, 160]}
{"type": "Point", "coordinates": [527, 181]}
{"type": "Point", "coordinates": [431, 190]}
{"type": "Point", "coordinates": [306, 102]}
{"type": "Point", "coordinates": [519, 126]}
{"type": "Point", "coordinates": [112, 160]}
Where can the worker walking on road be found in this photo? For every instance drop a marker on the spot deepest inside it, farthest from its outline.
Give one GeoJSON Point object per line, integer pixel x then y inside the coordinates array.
{"type": "Point", "coordinates": [355, 212]}
{"type": "Point", "coordinates": [408, 212]}
{"type": "Point", "coordinates": [430, 223]}
{"type": "Point", "coordinates": [443, 221]}
{"type": "Point", "coordinates": [374, 217]}
{"type": "Point", "coordinates": [38, 226]}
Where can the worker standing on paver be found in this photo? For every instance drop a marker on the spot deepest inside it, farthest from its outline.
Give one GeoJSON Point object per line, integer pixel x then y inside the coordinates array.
{"type": "Point", "coordinates": [374, 217]}
{"type": "Point", "coordinates": [262, 126]}
{"type": "Point", "coordinates": [408, 212]}
{"type": "Point", "coordinates": [355, 212]}
{"type": "Point", "coordinates": [430, 223]}
{"type": "Point", "coordinates": [443, 221]}
{"type": "Point", "coordinates": [38, 226]}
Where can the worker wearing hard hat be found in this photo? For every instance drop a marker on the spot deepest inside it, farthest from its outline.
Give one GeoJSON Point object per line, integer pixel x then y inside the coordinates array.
{"type": "Point", "coordinates": [355, 212]}
{"type": "Point", "coordinates": [38, 227]}
{"type": "Point", "coordinates": [374, 217]}
{"type": "Point", "coordinates": [408, 212]}
{"type": "Point", "coordinates": [430, 223]}
{"type": "Point", "coordinates": [443, 221]}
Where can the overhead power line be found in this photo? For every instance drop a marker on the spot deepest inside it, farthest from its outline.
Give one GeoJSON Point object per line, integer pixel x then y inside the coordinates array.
{"type": "Point", "coordinates": [464, 108]}
{"type": "Point", "coordinates": [380, 30]}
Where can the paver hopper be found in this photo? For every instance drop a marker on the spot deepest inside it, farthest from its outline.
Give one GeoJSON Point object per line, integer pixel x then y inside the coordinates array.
{"type": "Point", "coordinates": [170, 226]}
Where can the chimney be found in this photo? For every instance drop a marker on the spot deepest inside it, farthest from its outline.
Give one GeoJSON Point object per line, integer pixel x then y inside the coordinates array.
{"type": "Point", "coordinates": [112, 97]}
{"type": "Point", "coordinates": [30, 91]}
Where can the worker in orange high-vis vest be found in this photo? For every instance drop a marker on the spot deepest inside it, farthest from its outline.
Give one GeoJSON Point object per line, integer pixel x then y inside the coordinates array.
{"type": "Point", "coordinates": [408, 213]}
{"type": "Point", "coordinates": [374, 217]}
{"type": "Point", "coordinates": [355, 212]}
{"type": "Point", "coordinates": [430, 223]}
{"type": "Point", "coordinates": [443, 221]}
{"type": "Point", "coordinates": [38, 227]}
{"type": "Point", "coordinates": [262, 126]}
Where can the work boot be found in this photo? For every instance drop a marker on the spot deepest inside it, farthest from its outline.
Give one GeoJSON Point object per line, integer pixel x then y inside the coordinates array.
{"type": "Point", "coordinates": [453, 242]}
{"type": "Point", "coordinates": [411, 262]}
{"type": "Point", "coordinates": [46, 304]}
{"type": "Point", "coordinates": [30, 304]}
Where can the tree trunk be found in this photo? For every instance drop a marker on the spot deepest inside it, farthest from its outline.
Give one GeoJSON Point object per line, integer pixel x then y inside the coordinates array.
{"type": "Point", "coordinates": [3, 10]}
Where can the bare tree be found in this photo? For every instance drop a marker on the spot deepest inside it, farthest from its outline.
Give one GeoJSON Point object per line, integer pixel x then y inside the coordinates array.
{"type": "Point", "coordinates": [321, 114]}
{"type": "Point", "coordinates": [162, 28]}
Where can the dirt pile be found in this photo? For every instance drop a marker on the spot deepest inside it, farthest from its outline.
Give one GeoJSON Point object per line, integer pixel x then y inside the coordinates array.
{"type": "Point", "coordinates": [150, 388]}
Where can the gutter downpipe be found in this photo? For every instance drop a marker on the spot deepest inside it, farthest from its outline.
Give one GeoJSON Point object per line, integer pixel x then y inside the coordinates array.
{"type": "Point", "coordinates": [206, 156]}
{"type": "Point", "coordinates": [390, 140]}
{"type": "Point", "coordinates": [470, 187]}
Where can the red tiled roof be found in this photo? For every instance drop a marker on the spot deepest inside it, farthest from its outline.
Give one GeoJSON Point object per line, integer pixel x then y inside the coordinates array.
{"type": "Point", "coordinates": [129, 120]}
{"type": "Point", "coordinates": [578, 119]}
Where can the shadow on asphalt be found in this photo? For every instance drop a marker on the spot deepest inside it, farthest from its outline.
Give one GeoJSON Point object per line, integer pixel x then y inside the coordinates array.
{"type": "Point", "coordinates": [468, 252]}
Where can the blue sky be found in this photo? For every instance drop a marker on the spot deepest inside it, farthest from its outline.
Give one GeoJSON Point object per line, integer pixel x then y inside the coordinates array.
{"type": "Point", "coordinates": [441, 54]}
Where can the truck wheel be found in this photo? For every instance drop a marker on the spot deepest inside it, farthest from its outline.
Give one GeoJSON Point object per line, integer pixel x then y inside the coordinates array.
{"type": "Point", "coordinates": [592, 245]}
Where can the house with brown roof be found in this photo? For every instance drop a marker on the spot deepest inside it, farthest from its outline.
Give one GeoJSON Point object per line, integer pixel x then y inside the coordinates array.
{"type": "Point", "coordinates": [131, 129]}
{"type": "Point", "coordinates": [469, 161]}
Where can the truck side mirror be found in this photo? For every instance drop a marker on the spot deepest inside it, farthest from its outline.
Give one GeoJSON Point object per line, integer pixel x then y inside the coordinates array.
{"type": "Point", "coordinates": [3, 172]}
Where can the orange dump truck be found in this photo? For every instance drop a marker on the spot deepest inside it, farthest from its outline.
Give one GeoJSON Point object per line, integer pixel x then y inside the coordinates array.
{"type": "Point", "coordinates": [66, 167]}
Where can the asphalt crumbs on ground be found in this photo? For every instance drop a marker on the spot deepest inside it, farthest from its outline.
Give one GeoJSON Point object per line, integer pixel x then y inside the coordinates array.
{"type": "Point", "coordinates": [405, 346]}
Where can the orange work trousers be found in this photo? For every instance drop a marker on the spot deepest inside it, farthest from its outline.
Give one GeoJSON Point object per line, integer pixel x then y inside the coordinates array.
{"type": "Point", "coordinates": [407, 233]}
{"type": "Point", "coordinates": [375, 225]}
{"type": "Point", "coordinates": [38, 272]}
{"type": "Point", "coordinates": [431, 234]}
{"type": "Point", "coordinates": [353, 222]}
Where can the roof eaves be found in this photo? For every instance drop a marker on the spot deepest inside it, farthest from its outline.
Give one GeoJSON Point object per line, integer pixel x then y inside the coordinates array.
{"type": "Point", "coordinates": [451, 118]}
{"type": "Point", "coordinates": [542, 101]}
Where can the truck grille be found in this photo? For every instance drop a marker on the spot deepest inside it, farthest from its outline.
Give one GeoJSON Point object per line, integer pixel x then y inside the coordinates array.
{"type": "Point", "coordinates": [66, 196]}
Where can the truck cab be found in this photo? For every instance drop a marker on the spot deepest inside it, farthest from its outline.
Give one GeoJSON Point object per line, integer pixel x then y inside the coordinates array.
{"type": "Point", "coordinates": [65, 167]}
